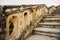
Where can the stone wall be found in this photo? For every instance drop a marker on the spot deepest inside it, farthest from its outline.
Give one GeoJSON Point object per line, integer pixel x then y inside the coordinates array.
{"type": "Point", "coordinates": [24, 18]}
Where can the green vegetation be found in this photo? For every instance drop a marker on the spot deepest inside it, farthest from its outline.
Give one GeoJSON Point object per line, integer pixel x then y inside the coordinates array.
{"type": "Point", "coordinates": [11, 26]}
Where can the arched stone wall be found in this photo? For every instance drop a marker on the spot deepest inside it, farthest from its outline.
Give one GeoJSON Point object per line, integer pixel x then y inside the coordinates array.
{"type": "Point", "coordinates": [27, 17]}
{"type": "Point", "coordinates": [38, 11]}
{"type": "Point", "coordinates": [15, 31]}
{"type": "Point", "coordinates": [23, 19]}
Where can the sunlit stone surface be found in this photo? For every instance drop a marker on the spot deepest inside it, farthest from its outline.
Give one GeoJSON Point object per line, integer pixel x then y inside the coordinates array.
{"type": "Point", "coordinates": [41, 37]}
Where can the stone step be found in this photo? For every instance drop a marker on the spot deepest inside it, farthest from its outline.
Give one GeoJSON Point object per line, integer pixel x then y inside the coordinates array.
{"type": "Point", "coordinates": [42, 37]}
{"type": "Point", "coordinates": [50, 30]}
{"type": "Point", "coordinates": [52, 16]}
{"type": "Point", "coordinates": [53, 19]}
{"type": "Point", "coordinates": [48, 26]}
{"type": "Point", "coordinates": [49, 23]}
{"type": "Point", "coordinates": [46, 34]}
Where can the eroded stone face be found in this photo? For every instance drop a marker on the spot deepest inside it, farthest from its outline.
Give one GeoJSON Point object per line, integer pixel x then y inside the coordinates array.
{"type": "Point", "coordinates": [52, 9]}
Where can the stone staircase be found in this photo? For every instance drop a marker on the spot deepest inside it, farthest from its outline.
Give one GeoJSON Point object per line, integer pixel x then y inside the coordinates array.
{"type": "Point", "coordinates": [47, 29]}
{"type": "Point", "coordinates": [49, 24]}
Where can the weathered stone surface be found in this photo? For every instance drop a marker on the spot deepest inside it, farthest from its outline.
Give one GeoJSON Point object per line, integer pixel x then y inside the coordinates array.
{"type": "Point", "coordinates": [24, 19]}
{"type": "Point", "coordinates": [42, 37]}
{"type": "Point", "coordinates": [52, 9]}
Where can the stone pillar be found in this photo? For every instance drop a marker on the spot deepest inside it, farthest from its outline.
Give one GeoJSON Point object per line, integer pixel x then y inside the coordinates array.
{"type": "Point", "coordinates": [27, 17]}
{"type": "Point", "coordinates": [33, 12]}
